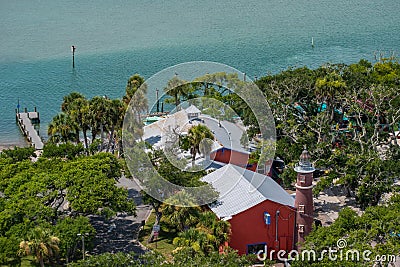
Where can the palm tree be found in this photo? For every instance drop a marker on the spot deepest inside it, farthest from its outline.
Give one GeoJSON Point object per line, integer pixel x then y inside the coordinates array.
{"type": "Point", "coordinates": [177, 88]}
{"type": "Point", "coordinates": [68, 99]}
{"type": "Point", "coordinates": [41, 244]}
{"type": "Point", "coordinates": [136, 102]}
{"type": "Point", "coordinates": [99, 108]}
{"type": "Point", "coordinates": [219, 229]}
{"type": "Point", "coordinates": [134, 83]}
{"type": "Point", "coordinates": [116, 116]}
{"type": "Point", "coordinates": [208, 236]}
{"type": "Point", "coordinates": [195, 239]}
{"type": "Point", "coordinates": [78, 110]}
{"type": "Point", "coordinates": [197, 135]}
{"type": "Point", "coordinates": [61, 128]}
{"type": "Point", "coordinates": [181, 217]}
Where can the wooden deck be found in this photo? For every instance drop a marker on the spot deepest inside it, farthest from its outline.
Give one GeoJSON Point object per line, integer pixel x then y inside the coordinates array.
{"type": "Point", "coordinates": [25, 121]}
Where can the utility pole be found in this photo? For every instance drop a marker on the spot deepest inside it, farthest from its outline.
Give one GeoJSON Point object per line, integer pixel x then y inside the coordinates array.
{"type": "Point", "coordinates": [73, 48]}
{"type": "Point", "coordinates": [83, 243]}
{"type": "Point", "coordinates": [158, 102]}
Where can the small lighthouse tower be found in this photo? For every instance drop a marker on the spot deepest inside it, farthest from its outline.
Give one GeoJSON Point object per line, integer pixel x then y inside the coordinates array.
{"type": "Point", "coordinates": [304, 199]}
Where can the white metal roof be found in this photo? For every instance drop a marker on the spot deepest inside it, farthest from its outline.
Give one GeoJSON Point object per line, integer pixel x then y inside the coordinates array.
{"type": "Point", "coordinates": [192, 109]}
{"type": "Point", "coordinates": [241, 189]}
{"type": "Point", "coordinates": [228, 134]}
{"type": "Point", "coordinates": [157, 132]}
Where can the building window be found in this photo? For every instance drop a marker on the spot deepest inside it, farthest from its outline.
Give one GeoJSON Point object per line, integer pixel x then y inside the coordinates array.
{"type": "Point", "coordinates": [261, 168]}
{"type": "Point", "coordinates": [301, 208]}
{"type": "Point", "coordinates": [254, 248]}
{"type": "Point", "coordinates": [302, 179]}
{"type": "Point", "coordinates": [301, 228]}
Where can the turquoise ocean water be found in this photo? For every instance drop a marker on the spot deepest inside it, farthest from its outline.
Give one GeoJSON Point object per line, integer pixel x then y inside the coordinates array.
{"type": "Point", "coordinates": [118, 38]}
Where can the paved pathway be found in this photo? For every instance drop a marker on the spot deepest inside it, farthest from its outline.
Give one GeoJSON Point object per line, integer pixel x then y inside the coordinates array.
{"type": "Point", "coordinates": [120, 234]}
{"type": "Point", "coordinates": [330, 202]}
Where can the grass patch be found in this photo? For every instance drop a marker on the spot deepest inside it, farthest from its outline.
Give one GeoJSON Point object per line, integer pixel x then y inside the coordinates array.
{"type": "Point", "coordinates": [166, 236]}
{"type": "Point", "coordinates": [29, 261]}
{"type": "Point", "coordinates": [26, 261]}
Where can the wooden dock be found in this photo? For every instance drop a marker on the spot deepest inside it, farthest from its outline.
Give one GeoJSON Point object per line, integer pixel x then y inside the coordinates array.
{"type": "Point", "coordinates": [26, 121]}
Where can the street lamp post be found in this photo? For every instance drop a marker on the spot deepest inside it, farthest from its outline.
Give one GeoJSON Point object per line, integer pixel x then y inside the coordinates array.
{"type": "Point", "coordinates": [83, 243]}
{"type": "Point", "coordinates": [73, 48]}
{"type": "Point", "coordinates": [158, 102]}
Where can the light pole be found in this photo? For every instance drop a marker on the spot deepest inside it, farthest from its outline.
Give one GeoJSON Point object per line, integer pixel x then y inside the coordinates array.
{"type": "Point", "coordinates": [73, 48]}
{"type": "Point", "coordinates": [83, 243]}
{"type": "Point", "coordinates": [158, 102]}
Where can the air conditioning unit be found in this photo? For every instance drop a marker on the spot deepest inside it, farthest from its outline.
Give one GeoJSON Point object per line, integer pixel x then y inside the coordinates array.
{"type": "Point", "coordinates": [267, 218]}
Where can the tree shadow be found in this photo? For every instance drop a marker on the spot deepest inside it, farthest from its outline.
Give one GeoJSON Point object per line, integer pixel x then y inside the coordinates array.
{"type": "Point", "coordinates": [116, 235]}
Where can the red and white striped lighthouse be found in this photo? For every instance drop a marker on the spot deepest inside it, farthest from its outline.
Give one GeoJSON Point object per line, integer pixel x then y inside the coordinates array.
{"type": "Point", "coordinates": [304, 198]}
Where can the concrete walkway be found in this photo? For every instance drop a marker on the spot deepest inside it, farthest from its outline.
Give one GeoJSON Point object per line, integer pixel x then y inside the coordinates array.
{"type": "Point", "coordinates": [328, 204]}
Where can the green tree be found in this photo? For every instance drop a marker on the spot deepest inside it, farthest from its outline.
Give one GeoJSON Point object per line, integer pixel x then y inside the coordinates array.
{"type": "Point", "coordinates": [79, 113]}
{"type": "Point", "coordinates": [62, 129]}
{"type": "Point", "coordinates": [69, 99]}
{"type": "Point", "coordinates": [375, 230]}
{"type": "Point", "coordinates": [177, 89]}
{"type": "Point", "coordinates": [99, 117]}
{"type": "Point", "coordinates": [198, 137]}
{"type": "Point", "coordinates": [179, 217]}
{"type": "Point", "coordinates": [208, 236]}
{"type": "Point", "coordinates": [67, 229]}
{"type": "Point", "coordinates": [67, 150]}
{"type": "Point", "coordinates": [45, 192]}
{"type": "Point", "coordinates": [116, 116]}
{"type": "Point", "coordinates": [18, 154]}
{"type": "Point", "coordinates": [134, 83]}
{"type": "Point", "coordinates": [67, 107]}
{"type": "Point", "coordinates": [136, 101]}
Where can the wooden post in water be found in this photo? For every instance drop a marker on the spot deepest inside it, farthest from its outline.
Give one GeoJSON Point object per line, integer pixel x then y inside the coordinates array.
{"type": "Point", "coordinates": [73, 48]}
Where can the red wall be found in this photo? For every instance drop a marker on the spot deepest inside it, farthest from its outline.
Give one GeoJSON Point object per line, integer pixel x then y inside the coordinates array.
{"type": "Point", "coordinates": [226, 155]}
{"type": "Point", "coordinates": [248, 227]}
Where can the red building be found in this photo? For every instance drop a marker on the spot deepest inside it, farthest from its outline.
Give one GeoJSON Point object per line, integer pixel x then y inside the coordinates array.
{"type": "Point", "coordinates": [238, 158]}
{"type": "Point", "coordinates": [241, 158]}
{"type": "Point", "coordinates": [259, 210]}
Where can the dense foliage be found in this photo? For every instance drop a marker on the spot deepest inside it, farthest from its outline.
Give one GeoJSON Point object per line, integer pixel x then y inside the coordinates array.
{"type": "Point", "coordinates": [18, 153]}
{"type": "Point", "coordinates": [99, 117]}
{"type": "Point", "coordinates": [182, 258]}
{"type": "Point", "coordinates": [55, 194]}
{"type": "Point", "coordinates": [347, 116]}
{"type": "Point", "coordinates": [376, 230]}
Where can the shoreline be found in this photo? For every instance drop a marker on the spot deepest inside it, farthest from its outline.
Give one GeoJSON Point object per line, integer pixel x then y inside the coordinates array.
{"type": "Point", "coordinates": [4, 146]}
